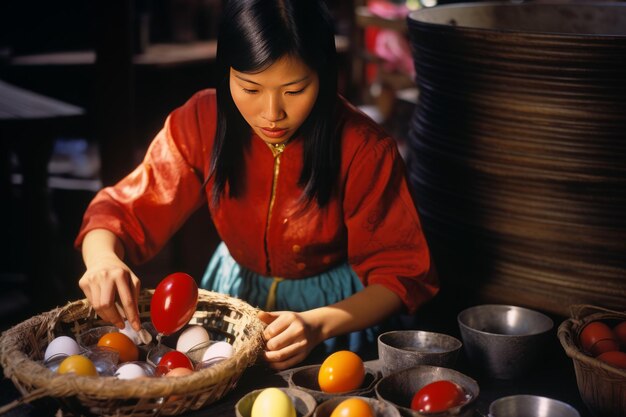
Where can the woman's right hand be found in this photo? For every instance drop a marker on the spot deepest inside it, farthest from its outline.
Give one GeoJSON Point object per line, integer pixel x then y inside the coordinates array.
{"type": "Point", "coordinates": [107, 280]}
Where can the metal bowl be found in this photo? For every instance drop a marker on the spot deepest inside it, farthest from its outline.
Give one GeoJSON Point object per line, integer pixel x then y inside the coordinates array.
{"type": "Point", "coordinates": [380, 408]}
{"type": "Point", "coordinates": [305, 379]}
{"type": "Point", "coordinates": [404, 349]}
{"type": "Point", "coordinates": [530, 406]}
{"type": "Point", "coordinates": [399, 388]}
{"type": "Point", "coordinates": [503, 341]}
{"type": "Point", "coordinates": [303, 402]}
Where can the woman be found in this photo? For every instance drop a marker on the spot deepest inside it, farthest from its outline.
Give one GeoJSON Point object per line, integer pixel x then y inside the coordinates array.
{"type": "Point", "coordinates": [308, 195]}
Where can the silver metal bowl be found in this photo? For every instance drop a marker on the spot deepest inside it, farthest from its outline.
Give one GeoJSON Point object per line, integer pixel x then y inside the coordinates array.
{"type": "Point", "coordinates": [530, 406]}
{"type": "Point", "coordinates": [399, 388]}
{"type": "Point", "coordinates": [503, 341]}
{"type": "Point", "coordinates": [402, 349]}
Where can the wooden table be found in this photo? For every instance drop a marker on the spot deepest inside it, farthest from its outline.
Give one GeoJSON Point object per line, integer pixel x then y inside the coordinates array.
{"type": "Point", "coordinates": [554, 378]}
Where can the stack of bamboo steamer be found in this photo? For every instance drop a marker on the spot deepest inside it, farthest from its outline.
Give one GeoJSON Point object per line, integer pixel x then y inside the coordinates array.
{"type": "Point", "coordinates": [518, 150]}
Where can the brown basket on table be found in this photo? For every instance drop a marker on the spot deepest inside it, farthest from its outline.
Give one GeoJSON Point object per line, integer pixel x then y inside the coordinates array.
{"type": "Point", "coordinates": [22, 348]}
{"type": "Point", "coordinates": [602, 387]}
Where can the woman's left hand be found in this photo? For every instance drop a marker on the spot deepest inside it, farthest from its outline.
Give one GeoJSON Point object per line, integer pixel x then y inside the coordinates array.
{"type": "Point", "coordinates": [289, 338]}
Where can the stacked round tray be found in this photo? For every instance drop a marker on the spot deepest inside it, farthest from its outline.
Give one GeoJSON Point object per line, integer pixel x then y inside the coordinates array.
{"type": "Point", "coordinates": [518, 149]}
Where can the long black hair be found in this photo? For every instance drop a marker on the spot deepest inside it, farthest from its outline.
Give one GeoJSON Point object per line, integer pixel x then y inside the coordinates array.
{"type": "Point", "coordinates": [253, 34]}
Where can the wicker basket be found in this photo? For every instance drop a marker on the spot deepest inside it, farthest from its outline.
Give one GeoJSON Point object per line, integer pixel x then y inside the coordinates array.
{"type": "Point", "coordinates": [22, 348]}
{"type": "Point", "coordinates": [601, 386]}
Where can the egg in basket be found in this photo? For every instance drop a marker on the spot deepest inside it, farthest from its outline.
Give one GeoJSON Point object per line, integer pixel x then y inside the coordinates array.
{"type": "Point", "coordinates": [227, 320]}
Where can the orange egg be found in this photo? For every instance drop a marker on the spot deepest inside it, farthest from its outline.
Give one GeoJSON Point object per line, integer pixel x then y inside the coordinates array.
{"type": "Point", "coordinates": [341, 372]}
{"type": "Point", "coordinates": [79, 365]}
{"type": "Point", "coordinates": [353, 407]}
{"type": "Point", "coordinates": [122, 344]}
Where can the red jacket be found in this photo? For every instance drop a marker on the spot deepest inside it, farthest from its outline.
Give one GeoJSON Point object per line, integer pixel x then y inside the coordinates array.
{"type": "Point", "coordinates": [371, 220]}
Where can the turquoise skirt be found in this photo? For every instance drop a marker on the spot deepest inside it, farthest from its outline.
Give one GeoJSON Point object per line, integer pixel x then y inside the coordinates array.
{"type": "Point", "coordinates": [226, 276]}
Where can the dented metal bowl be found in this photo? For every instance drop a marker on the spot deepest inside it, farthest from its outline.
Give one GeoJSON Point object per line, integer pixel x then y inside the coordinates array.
{"type": "Point", "coordinates": [503, 341]}
{"type": "Point", "coordinates": [402, 349]}
{"type": "Point", "coordinates": [399, 388]}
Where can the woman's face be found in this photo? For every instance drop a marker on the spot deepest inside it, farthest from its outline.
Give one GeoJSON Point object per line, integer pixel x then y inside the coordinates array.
{"type": "Point", "coordinates": [276, 101]}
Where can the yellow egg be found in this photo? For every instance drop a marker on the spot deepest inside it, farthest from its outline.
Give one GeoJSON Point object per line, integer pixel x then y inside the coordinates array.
{"type": "Point", "coordinates": [273, 402]}
{"type": "Point", "coordinates": [79, 365]}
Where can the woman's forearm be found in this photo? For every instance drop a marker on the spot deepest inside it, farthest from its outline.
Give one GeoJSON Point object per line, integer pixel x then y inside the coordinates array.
{"type": "Point", "coordinates": [366, 308]}
{"type": "Point", "coordinates": [100, 243]}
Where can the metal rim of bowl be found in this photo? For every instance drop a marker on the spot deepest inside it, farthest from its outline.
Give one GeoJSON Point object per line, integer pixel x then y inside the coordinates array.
{"type": "Point", "coordinates": [416, 19]}
{"type": "Point", "coordinates": [453, 339]}
{"type": "Point", "coordinates": [527, 398]}
{"type": "Point", "coordinates": [381, 405]}
{"type": "Point", "coordinates": [369, 373]}
{"type": "Point", "coordinates": [508, 306]}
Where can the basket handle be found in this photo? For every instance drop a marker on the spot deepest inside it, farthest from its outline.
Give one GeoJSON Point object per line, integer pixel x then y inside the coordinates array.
{"type": "Point", "coordinates": [25, 399]}
{"type": "Point", "coordinates": [579, 311]}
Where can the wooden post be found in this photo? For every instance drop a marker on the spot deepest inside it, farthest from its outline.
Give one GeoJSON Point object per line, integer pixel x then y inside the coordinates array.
{"type": "Point", "coordinates": [114, 88]}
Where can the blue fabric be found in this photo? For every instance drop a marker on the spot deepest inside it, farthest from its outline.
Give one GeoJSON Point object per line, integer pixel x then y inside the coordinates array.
{"type": "Point", "coordinates": [226, 276]}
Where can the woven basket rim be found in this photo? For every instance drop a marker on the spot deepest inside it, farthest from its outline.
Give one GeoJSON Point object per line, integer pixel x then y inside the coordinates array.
{"type": "Point", "coordinates": [570, 328]}
{"type": "Point", "coordinates": [17, 365]}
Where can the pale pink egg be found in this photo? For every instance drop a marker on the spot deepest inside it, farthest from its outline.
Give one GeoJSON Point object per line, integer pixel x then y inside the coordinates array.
{"type": "Point", "coordinates": [179, 372]}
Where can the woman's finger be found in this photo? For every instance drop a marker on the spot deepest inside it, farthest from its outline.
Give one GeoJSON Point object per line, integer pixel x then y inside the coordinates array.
{"type": "Point", "coordinates": [287, 337]}
{"type": "Point", "coordinates": [284, 353]}
{"type": "Point", "coordinates": [283, 360]}
{"type": "Point", "coordinates": [279, 325]}
{"type": "Point", "coordinates": [266, 317]}
{"type": "Point", "coordinates": [128, 301]}
{"type": "Point", "coordinates": [107, 304]}
{"type": "Point", "coordinates": [83, 283]}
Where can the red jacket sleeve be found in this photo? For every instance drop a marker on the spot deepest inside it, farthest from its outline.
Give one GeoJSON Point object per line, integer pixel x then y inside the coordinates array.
{"type": "Point", "coordinates": [386, 244]}
{"type": "Point", "coordinates": [149, 205]}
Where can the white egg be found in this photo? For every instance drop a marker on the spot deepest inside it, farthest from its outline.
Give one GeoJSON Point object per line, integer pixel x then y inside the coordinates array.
{"type": "Point", "coordinates": [217, 350]}
{"type": "Point", "coordinates": [130, 371]}
{"type": "Point", "coordinates": [191, 337]}
{"type": "Point", "coordinates": [131, 333]}
{"type": "Point", "coordinates": [62, 345]}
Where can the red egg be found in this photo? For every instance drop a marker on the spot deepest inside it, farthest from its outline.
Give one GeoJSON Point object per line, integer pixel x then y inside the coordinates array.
{"type": "Point", "coordinates": [438, 396]}
{"type": "Point", "coordinates": [172, 360]}
{"type": "Point", "coordinates": [614, 358]}
{"type": "Point", "coordinates": [597, 337]}
{"type": "Point", "coordinates": [620, 333]}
